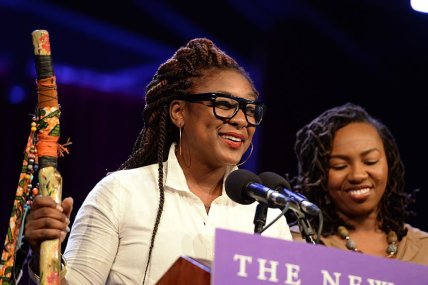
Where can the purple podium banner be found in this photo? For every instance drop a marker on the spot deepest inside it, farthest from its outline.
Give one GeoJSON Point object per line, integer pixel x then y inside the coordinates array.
{"type": "Point", "coordinates": [249, 259]}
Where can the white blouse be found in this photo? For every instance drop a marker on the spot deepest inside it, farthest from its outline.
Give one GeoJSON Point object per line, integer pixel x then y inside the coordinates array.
{"type": "Point", "coordinates": [110, 238]}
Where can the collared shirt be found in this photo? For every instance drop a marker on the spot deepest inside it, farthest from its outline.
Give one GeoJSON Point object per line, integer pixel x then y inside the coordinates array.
{"type": "Point", "coordinates": [110, 238]}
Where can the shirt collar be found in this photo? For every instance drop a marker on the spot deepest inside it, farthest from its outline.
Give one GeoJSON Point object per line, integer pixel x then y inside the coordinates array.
{"type": "Point", "coordinates": [175, 178]}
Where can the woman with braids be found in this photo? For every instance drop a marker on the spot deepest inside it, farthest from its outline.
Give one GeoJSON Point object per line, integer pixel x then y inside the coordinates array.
{"type": "Point", "coordinates": [349, 165]}
{"type": "Point", "coordinates": [167, 199]}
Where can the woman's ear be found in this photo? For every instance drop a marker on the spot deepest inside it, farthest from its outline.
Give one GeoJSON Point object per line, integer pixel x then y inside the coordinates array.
{"type": "Point", "coordinates": [176, 111]}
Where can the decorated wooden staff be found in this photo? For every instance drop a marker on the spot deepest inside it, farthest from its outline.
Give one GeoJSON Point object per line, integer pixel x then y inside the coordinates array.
{"type": "Point", "coordinates": [40, 157]}
{"type": "Point", "coordinates": [50, 180]}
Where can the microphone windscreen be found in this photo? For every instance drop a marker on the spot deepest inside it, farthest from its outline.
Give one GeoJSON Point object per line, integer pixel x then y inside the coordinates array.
{"type": "Point", "coordinates": [236, 185]}
{"type": "Point", "coordinates": [273, 180]}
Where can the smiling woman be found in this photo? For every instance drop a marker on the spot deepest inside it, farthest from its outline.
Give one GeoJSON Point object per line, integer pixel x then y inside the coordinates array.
{"type": "Point", "coordinates": [167, 198]}
{"type": "Point", "coordinates": [349, 165]}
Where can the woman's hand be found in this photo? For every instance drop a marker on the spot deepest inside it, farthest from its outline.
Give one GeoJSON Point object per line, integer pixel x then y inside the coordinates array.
{"type": "Point", "coordinates": [47, 220]}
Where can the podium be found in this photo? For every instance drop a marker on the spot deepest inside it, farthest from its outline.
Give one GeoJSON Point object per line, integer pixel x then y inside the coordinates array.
{"type": "Point", "coordinates": [248, 259]}
{"type": "Point", "coordinates": [187, 270]}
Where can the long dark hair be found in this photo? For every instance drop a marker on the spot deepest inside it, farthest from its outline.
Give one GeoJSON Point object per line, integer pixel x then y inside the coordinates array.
{"type": "Point", "coordinates": [313, 148]}
{"type": "Point", "coordinates": [172, 79]}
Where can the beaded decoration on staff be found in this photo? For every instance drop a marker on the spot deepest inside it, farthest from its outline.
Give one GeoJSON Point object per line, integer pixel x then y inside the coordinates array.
{"type": "Point", "coordinates": [9, 270]}
{"type": "Point", "coordinates": [40, 157]}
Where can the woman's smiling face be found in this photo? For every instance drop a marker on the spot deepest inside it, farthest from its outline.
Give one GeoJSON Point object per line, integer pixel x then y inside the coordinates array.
{"type": "Point", "coordinates": [211, 140]}
{"type": "Point", "coordinates": [358, 170]}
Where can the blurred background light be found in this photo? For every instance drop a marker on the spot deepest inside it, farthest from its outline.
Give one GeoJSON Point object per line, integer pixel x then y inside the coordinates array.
{"type": "Point", "coordinates": [419, 5]}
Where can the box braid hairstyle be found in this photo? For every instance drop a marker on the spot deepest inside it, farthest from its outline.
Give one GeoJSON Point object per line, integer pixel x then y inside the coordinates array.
{"type": "Point", "coordinates": [313, 148]}
{"type": "Point", "coordinates": [172, 79]}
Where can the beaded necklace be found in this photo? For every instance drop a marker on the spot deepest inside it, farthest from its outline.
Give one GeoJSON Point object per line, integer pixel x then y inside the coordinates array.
{"type": "Point", "coordinates": [392, 239]}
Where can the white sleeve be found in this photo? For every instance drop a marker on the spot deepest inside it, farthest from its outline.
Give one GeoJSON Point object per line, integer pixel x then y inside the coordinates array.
{"type": "Point", "coordinates": [94, 237]}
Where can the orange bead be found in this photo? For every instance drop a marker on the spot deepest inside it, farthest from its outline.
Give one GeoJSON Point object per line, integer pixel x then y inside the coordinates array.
{"type": "Point", "coordinates": [35, 191]}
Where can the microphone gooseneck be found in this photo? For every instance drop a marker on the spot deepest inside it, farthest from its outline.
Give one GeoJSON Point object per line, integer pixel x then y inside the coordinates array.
{"type": "Point", "coordinates": [298, 203]}
{"type": "Point", "coordinates": [260, 217]}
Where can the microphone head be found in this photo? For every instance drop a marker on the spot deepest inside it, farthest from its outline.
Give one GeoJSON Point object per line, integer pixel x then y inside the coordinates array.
{"type": "Point", "coordinates": [236, 184]}
{"type": "Point", "coordinates": [273, 180]}
{"type": "Point", "coordinates": [276, 181]}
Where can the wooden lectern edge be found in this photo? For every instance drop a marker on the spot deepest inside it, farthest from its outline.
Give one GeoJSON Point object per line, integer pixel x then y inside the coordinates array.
{"type": "Point", "coordinates": [187, 270]}
{"type": "Point", "coordinates": [204, 264]}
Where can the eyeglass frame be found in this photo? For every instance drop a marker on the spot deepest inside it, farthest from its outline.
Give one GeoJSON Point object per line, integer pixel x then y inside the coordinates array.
{"type": "Point", "coordinates": [212, 96]}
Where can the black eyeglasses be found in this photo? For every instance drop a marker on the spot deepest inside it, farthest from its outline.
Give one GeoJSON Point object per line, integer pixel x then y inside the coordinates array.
{"type": "Point", "coordinates": [226, 106]}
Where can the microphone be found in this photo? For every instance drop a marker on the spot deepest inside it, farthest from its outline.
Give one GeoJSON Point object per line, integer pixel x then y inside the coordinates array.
{"type": "Point", "coordinates": [298, 202]}
{"type": "Point", "coordinates": [245, 187]}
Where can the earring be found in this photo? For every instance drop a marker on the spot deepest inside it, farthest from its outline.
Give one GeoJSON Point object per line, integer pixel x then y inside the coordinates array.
{"type": "Point", "coordinates": [180, 139]}
{"type": "Point", "coordinates": [248, 157]}
{"type": "Point", "coordinates": [189, 157]}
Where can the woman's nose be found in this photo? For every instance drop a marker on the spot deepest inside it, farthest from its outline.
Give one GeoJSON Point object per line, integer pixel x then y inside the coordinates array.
{"type": "Point", "coordinates": [239, 119]}
{"type": "Point", "coordinates": [357, 173]}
